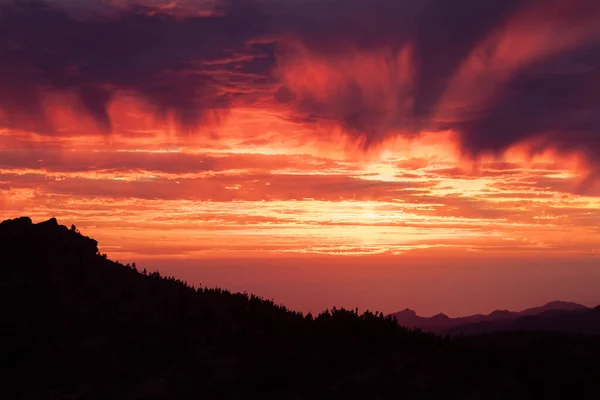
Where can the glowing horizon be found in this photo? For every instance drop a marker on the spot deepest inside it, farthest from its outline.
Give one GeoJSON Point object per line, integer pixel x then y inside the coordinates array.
{"type": "Point", "coordinates": [233, 199]}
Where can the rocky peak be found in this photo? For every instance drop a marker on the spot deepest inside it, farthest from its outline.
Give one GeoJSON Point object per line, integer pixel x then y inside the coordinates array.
{"type": "Point", "coordinates": [407, 312]}
{"type": "Point", "coordinates": [17, 222]}
{"type": "Point", "coordinates": [440, 316]}
{"type": "Point", "coordinates": [44, 237]}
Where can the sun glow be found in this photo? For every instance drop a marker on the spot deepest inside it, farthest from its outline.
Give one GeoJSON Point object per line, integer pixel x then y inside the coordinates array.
{"type": "Point", "coordinates": [231, 196]}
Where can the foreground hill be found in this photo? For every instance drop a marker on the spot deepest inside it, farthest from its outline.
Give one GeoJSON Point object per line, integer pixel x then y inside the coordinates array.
{"type": "Point", "coordinates": [79, 326]}
{"type": "Point", "coordinates": [556, 315]}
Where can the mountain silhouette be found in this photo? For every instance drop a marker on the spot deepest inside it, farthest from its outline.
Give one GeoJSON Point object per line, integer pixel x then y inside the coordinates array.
{"type": "Point", "coordinates": [80, 326]}
{"type": "Point", "coordinates": [579, 320]}
{"type": "Point", "coordinates": [500, 320]}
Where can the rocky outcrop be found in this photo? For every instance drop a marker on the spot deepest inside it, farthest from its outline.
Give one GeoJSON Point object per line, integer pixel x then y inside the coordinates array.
{"type": "Point", "coordinates": [45, 242]}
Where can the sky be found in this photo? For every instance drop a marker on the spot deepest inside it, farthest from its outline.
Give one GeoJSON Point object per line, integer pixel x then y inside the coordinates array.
{"type": "Point", "coordinates": [438, 155]}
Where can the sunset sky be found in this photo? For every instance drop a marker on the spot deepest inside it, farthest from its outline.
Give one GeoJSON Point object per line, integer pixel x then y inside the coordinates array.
{"type": "Point", "coordinates": [442, 155]}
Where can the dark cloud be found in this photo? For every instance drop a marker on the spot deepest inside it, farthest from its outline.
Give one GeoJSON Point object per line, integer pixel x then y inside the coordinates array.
{"type": "Point", "coordinates": [148, 53]}
{"type": "Point", "coordinates": [375, 68]}
{"type": "Point", "coordinates": [440, 34]}
{"type": "Point", "coordinates": [557, 98]}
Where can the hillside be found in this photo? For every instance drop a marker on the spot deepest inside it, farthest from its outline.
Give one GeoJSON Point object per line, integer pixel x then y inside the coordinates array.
{"type": "Point", "coordinates": [80, 326]}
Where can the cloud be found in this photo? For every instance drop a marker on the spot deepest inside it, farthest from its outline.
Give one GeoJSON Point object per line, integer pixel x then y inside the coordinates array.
{"type": "Point", "coordinates": [557, 98]}
{"type": "Point", "coordinates": [212, 187]}
{"type": "Point", "coordinates": [164, 59]}
{"type": "Point", "coordinates": [497, 72]}
{"type": "Point", "coordinates": [52, 161]}
{"type": "Point", "coordinates": [94, 9]}
{"type": "Point", "coordinates": [381, 68]}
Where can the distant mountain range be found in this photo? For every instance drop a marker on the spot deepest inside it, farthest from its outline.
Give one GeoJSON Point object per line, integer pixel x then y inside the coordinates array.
{"type": "Point", "coordinates": [556, 315]}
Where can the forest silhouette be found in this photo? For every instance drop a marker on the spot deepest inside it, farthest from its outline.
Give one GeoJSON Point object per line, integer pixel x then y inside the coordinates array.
{"type": "Point", "coordinates": [80, 326]}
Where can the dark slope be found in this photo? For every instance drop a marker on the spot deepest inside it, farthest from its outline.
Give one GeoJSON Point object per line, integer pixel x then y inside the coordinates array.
{"type": "Point", "coordinates": [82, 327]}
{"type": "Point", "coordinates": [497, 320]}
